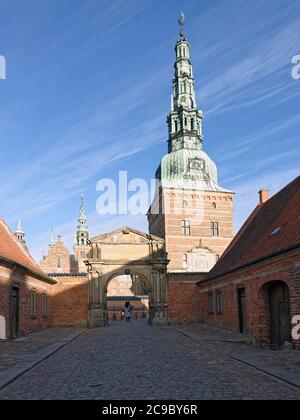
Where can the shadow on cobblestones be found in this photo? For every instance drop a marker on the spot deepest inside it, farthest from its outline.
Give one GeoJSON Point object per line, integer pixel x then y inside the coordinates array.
{"type": "Point", "coordinates": [134, 361]}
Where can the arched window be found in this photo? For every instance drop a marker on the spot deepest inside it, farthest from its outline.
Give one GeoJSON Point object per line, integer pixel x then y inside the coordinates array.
{"type": "Point", "coordinates": [214, 205]}
{"type": "Point", "coordinates": [184, 204]}
{"type": "Point", "coordinates": [192, 124]}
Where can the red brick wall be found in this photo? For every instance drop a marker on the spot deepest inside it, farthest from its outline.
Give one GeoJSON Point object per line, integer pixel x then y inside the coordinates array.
{"type": "Point", "coordinates": [26, 285]}
{"type": "Point", "coordinates": [115, 309]}
{"type": "Point", "coordinates": [183, 298]}
{"type": "Point", "coordinates": [200, 213]}
{"type": "Point", "coordinates": [256, 281]}
{"type": "Point", "coordinates": [70, 301]}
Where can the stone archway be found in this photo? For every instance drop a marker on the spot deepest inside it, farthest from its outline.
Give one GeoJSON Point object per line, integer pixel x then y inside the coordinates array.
{"type": "Point", "coordinates": [127, 251]}
{"type": "Point", "coordinates": [129, 286]}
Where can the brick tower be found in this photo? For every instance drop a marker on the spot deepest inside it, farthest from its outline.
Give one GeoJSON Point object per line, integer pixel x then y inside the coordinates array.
{"type": "Point", "coordinates": [191, 211]}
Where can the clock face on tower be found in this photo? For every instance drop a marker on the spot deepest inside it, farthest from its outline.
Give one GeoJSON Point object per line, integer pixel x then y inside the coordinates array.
{"type": "Point", "coordinates": [196, 169]}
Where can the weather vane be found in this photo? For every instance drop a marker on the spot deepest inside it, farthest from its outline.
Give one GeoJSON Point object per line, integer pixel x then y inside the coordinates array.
{"type": "Point", "coordinates": [181, 22]}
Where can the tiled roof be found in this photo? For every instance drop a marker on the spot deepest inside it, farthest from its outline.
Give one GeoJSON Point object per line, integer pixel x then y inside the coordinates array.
{"type": "Point", "coordinates": [11, 250]}
{"type": "Point", "coordinates": [273, 228]}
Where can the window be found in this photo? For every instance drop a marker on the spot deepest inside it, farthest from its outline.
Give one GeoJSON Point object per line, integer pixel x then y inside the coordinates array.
{"type": "Point", "coordinates": [219, 302]}
{"type": "Point", "coordinates": [192, 123]}
{"type": "Point", "coordinates": [33, 300]}
{"type": "Point", "coordinates": [186, 227]}
{"type": "Point", "coordinates": [184, 204]}
{"type": "Point", "coordinates": [44, 305]}
{"type": "Point", "coordinates": [276, 231]}
{"type": "Point", "coordinates": [215, 231]}
{"type": "Point", "coordinates": [214, 205]}
{"type": "Point", "coordinates": [210, 303]}
{"type": "Point", "coordinates": [185, 260]}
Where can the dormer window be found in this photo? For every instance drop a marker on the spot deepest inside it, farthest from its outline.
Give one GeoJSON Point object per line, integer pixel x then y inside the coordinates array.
{"type": "Point", "coordinates": [276, 231]}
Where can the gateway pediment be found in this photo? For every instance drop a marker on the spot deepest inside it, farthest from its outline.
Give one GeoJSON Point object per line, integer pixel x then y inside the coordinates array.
{"type": "Point", "coordinates": [126, 235]}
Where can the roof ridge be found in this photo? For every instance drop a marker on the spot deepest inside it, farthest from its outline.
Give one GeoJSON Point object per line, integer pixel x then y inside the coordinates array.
{"type": "Point", "coordinates": [25, 253]}
{"type": "Point", "coordinates": [255, 241]}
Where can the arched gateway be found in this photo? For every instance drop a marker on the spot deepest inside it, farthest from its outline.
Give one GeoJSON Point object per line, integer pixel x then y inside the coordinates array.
{"type": "Point", "coordinates": [127, 251]}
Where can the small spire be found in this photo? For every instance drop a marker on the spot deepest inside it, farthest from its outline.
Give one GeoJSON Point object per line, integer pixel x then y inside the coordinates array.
{"type": "Point", "coordinates": [20, 234]}
{"type": "Point", "coordinates": [20, 227]}
{"type": "Point", "coordinates": [82, 233]}
{"type": "Point", "coordinates": [52, 242]}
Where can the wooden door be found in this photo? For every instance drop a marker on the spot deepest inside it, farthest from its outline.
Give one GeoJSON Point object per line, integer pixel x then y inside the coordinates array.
{"type": "Point", "coordinates": [15, 312]}
{"type": "Point", "coordinates": [280, 317]}
{"type": "Point", "coordinates": [242, 310]}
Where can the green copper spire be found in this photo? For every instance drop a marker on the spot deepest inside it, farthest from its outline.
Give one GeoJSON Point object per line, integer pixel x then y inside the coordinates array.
{"type": "Point", "coordinates": [185, 119]}
{"type": "Point", "coordinates": [82, 233]}
{"type": "Point", "coordinates": [186, 166]}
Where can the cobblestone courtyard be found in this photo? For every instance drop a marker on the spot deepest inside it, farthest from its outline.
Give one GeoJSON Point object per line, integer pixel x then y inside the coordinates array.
{"type": "Point", "coordinates": [135, 361]}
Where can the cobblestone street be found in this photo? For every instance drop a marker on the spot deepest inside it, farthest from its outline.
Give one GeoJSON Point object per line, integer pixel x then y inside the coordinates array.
{"type": "Point", "coordinates": [135, 361]}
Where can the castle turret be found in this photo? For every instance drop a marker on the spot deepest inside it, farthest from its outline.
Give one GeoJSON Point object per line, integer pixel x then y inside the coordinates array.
{"type": "Point", "coordinates": [81, 245]}
{"type": "Point", "coordinates": [20, 235]}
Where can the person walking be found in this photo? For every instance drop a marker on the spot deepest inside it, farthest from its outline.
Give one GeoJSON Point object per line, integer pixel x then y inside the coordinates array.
{"type": "Point", "coordinates": [128, 309]}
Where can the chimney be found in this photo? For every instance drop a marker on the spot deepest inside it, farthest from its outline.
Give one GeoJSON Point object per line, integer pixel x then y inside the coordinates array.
{"type": "Point", "coordinates": [264, 196]}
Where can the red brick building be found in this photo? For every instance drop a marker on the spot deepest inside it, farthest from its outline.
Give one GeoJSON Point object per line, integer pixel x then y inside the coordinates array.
{"type": "Point", "coordinates": [24, 289]}
{"type": "Point", "coordinates": [255, 286]}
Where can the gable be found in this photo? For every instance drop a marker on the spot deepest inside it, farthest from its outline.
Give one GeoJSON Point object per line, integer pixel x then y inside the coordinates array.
{"type": "Point", "coordinates": [126, 235]}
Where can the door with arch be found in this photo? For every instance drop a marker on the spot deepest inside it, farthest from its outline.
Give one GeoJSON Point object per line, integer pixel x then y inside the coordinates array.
{"type": "Point", "coordinates": [280, 316]}
{"type": "Point", "coordinates": [127, 252]}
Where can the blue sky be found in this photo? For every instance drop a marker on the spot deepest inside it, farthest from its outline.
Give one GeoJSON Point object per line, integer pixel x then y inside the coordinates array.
{"type": "Point", "coordinates": [88, 91]}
